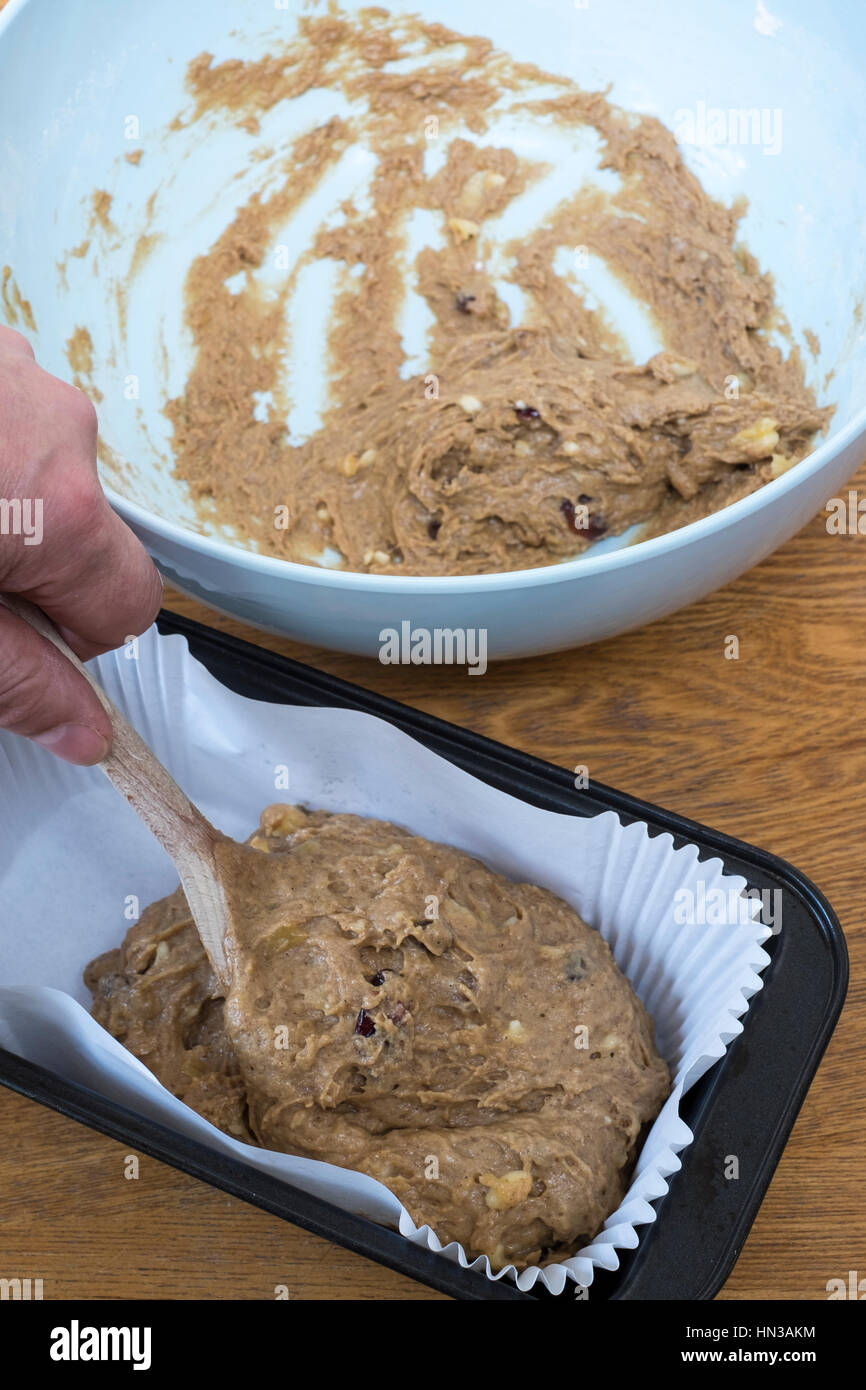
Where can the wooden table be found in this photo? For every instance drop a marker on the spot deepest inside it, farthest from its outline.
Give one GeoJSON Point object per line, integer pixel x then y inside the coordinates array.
{"type": "Point", "coordinates": [768, 748]}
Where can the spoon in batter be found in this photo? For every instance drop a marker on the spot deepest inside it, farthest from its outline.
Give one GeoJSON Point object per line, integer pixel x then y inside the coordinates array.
{"type": "Point", "coordinates": [219, 876]}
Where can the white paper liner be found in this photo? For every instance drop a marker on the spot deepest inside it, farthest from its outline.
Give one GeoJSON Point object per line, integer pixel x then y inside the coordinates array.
{"type": "Point", "coordinates": [76, 852]}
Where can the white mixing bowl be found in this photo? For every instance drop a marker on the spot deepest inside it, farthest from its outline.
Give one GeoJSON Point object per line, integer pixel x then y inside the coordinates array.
{"type": "Point", "coordinates": [75, 80]}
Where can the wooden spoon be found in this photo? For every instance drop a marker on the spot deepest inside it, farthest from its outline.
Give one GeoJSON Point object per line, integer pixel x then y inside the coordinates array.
{"type": "Point", "coordinates": [218, 875]}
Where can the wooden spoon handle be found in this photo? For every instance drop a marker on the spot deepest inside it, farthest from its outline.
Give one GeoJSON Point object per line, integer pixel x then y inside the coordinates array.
{"type": "Point", "coordinates": [184, 833]}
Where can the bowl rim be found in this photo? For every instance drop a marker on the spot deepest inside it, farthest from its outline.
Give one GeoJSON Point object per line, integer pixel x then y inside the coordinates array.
{"type": "Point", "coordinates": [584, 566]}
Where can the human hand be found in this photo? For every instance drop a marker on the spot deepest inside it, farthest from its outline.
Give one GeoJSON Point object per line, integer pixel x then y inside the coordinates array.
{"type": "Point", "coordinates": [64, 549]}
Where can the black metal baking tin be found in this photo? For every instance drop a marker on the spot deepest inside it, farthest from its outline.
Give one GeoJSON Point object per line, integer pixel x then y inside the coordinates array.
{"type": "Point", "coordinates": [745, 1105]}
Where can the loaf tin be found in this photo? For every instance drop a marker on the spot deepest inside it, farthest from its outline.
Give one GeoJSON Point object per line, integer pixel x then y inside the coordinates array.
{"type": "Point", "coordinates": [746, 1104]}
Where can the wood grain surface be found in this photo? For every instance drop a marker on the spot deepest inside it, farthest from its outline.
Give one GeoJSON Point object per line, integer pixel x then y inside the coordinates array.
{"type": "Point", "coordinates": [769, 747]}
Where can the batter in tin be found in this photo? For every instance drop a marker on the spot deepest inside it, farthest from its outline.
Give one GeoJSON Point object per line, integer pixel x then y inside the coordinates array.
{"type": "Point", "coordinates": [467, 1040]}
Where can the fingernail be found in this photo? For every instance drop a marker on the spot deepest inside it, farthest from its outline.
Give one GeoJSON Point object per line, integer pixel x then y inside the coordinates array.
{"type": "Point", "coordinates": [75, 743]}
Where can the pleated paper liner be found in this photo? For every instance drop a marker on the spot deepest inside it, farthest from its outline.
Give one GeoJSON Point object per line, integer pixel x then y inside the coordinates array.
{"type": "Point", "coordinates": [81, 866]}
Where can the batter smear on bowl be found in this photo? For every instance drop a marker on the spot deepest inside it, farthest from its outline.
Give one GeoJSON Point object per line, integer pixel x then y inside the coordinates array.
{"type": "Point", "coordinates": [467, 1040]}
{"type": "Point", "coordinates": [524, 437]}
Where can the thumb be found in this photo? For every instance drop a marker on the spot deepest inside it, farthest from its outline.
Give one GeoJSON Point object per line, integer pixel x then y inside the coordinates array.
{"type": "Point", "coordinates": [44, 698]}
